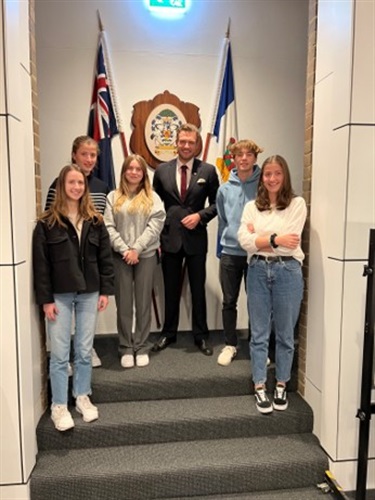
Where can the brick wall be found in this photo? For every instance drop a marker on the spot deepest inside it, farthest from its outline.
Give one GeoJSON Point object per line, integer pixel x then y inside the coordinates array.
{"type": "Point", "coordinates": [309, 125]}
{"type": "Point", "coordinates": [38, 185]}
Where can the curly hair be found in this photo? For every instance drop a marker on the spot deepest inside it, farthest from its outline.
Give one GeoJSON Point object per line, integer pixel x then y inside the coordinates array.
{"type": "Point", "coordinates": [285, 194]}
{"type": "Point", "coordinates": [142, 200]}
{"type": "Point", "coordinates": [247, 144]}
{"type": "Point", "coordinates": [59, 207]}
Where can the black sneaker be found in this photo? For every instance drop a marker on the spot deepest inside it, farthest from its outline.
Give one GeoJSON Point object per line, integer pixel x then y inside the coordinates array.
{"type": "Point", "coordinates": [280, 400]}
{"type": "Point", "coordinates": [262, 402]}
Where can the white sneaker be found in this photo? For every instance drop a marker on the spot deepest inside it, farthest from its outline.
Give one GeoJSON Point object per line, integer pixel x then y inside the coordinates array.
{"type": "Point", "coordinates": [268, 361]}
{"type": "Point", "coordinates": [127, 361]}
{"type": "Point", "coordinates": [70, 370]}
{"type": "Point", "coordinates": [87, 409]}
{"type": "Point", "coordinates": [95, 360]}
{"type": "Point", "coordinates": [227, 354]}
{"type": "Point", "coordinates": [61, 417]}
{"type": "Point", "coordinates": [142, 359]}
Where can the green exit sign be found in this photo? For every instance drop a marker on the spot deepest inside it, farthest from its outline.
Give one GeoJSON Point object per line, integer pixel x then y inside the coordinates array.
{"type": "Point", "coordinates": [170, 4]}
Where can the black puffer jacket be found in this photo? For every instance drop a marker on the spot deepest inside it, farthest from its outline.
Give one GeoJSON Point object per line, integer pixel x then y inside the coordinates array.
{"type": "Point", "coordinates": [62, 264]}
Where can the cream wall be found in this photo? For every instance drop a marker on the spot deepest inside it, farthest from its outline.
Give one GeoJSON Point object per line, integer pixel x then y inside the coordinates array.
{"type": "Point", "coordinates": [149, 55]}
{"type": "Point", "coordinates": [342, 212]}
{"type": "Point", "coordinates": [20, 404]}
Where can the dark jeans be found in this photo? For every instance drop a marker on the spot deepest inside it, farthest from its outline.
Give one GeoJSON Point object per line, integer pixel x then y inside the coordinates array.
{"type": "Point", "coordinates": [233, 269]}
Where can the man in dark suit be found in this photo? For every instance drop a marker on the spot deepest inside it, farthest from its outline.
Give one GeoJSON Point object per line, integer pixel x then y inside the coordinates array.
{"type": "Point", "coordinates": [184, 185]}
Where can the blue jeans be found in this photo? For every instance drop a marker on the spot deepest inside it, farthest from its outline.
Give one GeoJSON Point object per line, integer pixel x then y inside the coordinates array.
{"type": "Point", "coordinates": [84, 306]}
{"type": "Point", "coordinates": [274, 290]}
{"type": "Point", "coordinates": [233, 269]}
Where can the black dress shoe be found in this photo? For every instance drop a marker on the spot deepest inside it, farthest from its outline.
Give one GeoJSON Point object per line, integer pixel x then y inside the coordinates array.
{"type": "Point", "coordinates": [203, 347]}
{"type": "Point", "coordinates": [162, 343]}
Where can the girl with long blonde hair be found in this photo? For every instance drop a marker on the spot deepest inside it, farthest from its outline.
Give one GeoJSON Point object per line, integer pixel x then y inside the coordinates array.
{"type": "Point", "coordinates": [134, 217]}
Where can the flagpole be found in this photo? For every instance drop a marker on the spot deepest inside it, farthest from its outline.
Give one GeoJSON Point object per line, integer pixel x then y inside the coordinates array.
{"type": "Point", "coordinates": [217, 98]}
{"type": "Point", "coordinates": [107, 63]}
{"type": "Point", "coordinates": [116, 108]}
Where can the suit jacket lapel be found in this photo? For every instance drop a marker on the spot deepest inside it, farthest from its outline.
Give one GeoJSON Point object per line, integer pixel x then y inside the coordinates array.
{"type": "Point", "coordinates": [194, 176]}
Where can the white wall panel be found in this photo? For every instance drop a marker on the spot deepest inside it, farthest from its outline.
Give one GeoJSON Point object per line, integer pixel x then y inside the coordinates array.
{"type": "Point", "coordinates": [20, 210]}
{"type": "Point", "coordinates": [25, 361]}
{"type": "Point", "coordinates": [342, 44]}
{"type": "Point", "coordinates": [24, 34]}
{"type": "Point", "coordinates": [10, 449]}
{"type": "Point", "coordinates": [13, 44]}
{"type": "Point", "coordinates": [329, 174]}
{"type": "Point", "coordinates": [6, 256]}
{"type": "Point", "coordinates": [331, 363]}
{"type": "Point", "coordinates": [334, 54]}
{"type": "Point", "coordinates": [363, 103]}
{"type": "Point", "coordinates": [361, 192]}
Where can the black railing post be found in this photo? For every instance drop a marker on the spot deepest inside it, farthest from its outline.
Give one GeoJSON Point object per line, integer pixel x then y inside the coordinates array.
{"type": "Point", "coordinates": [366, 408]}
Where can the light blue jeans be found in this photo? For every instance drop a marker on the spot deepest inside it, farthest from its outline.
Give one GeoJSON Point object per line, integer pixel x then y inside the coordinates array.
{"type": "Point", "coordinates": [274, 291]}
{"type": "Point", "coordinates": [83, 307]}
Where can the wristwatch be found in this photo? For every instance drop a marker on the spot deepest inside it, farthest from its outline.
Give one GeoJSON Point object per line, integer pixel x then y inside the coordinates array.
{"type": "Point", "coordinates": [272, 240]}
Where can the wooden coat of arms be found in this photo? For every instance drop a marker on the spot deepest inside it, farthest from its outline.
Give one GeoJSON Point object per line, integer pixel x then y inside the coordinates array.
{"type": "Point", "coordinates": [155, 125]}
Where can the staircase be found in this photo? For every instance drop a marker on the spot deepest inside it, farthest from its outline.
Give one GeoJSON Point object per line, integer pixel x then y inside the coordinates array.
{"type": "Point", "coordinates": [182, 427]}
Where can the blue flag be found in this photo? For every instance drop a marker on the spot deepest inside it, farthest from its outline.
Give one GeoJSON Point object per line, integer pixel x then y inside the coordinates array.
{"type": "Point", "coordinates": [225, 125]}
{"type": "Point", "coordinates": [102, 121]}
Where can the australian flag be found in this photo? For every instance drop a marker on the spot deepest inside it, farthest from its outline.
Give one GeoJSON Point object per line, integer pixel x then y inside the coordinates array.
{"type": "Point", "coordinates": [102, 121]}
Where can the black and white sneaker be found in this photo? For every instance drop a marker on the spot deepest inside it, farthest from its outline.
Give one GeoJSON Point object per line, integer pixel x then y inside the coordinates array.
{"type": "Point", "coordinates": [280, 400]}
{"type": "Point", "coordinates": [262, 402]}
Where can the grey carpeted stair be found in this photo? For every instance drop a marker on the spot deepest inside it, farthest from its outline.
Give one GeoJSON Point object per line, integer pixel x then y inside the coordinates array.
{"type": "Point", "coordinates": [180, 371]}
{"type": "Point", "coordinates": [181, 427]}
{"type": "Point", "coordinates": [165, 470]}
{"type": "Point", "coordinates": [145, 422]}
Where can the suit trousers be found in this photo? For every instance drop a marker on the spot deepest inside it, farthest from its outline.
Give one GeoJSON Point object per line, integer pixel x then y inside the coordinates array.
{"type": "Point", "coordinates": [172, 264]}
{"type": "Point", "coordinates": [133, 284]}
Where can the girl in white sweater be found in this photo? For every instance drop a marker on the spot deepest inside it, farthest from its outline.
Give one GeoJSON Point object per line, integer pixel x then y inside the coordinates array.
{"type": "Point", "coordinates": [270, 232]}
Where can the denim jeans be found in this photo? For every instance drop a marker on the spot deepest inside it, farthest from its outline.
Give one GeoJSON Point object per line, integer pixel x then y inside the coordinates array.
{"type": "Point", "coordinates": [274, 290]}
{"type": "Point", "coordinates": [232, 271]}
{"type": "Point", "coordinates": [84, 307]}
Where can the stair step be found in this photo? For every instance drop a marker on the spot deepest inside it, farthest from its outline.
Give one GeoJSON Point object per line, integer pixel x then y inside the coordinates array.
{"type": "Point", "coordinates": [142, 422]}
{"type": "Point", "coordinates": [312, 493]}
{"type": "Point", "coordinates": [180, 371]}
{"type": "Point", "coordinates": [168, 470]}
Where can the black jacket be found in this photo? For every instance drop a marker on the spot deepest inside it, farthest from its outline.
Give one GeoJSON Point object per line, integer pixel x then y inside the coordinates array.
{"type": "Point", "coordinates": [203, 186]}
{"type": "Point", "coordinates": [63, 265]}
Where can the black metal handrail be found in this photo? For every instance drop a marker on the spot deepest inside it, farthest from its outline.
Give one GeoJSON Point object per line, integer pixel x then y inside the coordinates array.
{"type": "Point", "coordinates": [367, 407]}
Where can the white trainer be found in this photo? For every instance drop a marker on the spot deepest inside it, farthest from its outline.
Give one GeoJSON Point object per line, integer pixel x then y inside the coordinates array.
{"type": "Point", "coordinates": [61, 417]}
{"type": "Point", "coordinates": [87, 409]}
{"type": "Point", "coordinates": [95, 360]}
{"type": "Point", "coordinates": [226, 355]}
{"type": "Point", "coordinates": [127, 361]}
{"type": "Point", "coordinates": [142, 359]}
{"type": "Point", "coordinates": [70, 370]}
